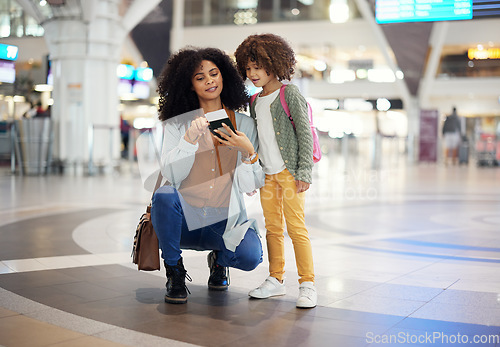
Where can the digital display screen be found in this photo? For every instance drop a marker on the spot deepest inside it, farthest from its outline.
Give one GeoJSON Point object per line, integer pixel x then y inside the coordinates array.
{"type": "Point", "coordinates": [7, 71]}
{"type": "Point", "coordinates": [143, 74]}
{"type": "Point", "coordinates": [125, 71]}
{"type": "Point", "coordinates": [400, 11]}
{"type": "Point", "coordinates": [8, 52]}
{"type": "Point", "coordinates": [485, 8]}
{"type": "Point", "coordinates": [124, 87]}
{"type": "Point", "coordinates": [50, 76]}
{"type": "Point", "coordinates": [140, 90]}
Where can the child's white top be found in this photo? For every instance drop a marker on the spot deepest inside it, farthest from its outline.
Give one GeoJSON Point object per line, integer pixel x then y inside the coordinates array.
{"type": "Point", "coordinates": [269, 152]}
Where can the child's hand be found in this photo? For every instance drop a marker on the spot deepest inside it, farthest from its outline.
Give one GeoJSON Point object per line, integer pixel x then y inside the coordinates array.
{"type": "Point", "coordinates": [301, 186]}
{"type": "Point", "coordinates": [238, 140]}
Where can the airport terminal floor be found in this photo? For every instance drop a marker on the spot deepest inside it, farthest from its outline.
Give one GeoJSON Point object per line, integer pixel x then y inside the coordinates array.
{"type": "Point", "coordinates": [406, 254]}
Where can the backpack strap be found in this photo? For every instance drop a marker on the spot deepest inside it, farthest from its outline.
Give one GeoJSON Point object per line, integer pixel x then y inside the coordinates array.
{"type": "Point", "coordinates": [252, 98]}
{"type": "Point", "coordinates": [284, 104]}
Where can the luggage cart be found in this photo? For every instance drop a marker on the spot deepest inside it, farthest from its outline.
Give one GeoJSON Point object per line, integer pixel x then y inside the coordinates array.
{"type": "Point", "coordinates": [486, 147]}
{"type": "Point", "coordinates": [32, 145]}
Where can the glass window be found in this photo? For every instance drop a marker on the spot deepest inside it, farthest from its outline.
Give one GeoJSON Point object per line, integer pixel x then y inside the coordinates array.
{"type": "Point", "coordinates": [4, 24]}
{"type": "Point", "coordinates": [32, 28]}
{"type": "Point", "coordinates": [470, 61]}
{"type": "Point", "coordinates": [15, 22]}
{"type": "Point", "coordinates": [248, 12]}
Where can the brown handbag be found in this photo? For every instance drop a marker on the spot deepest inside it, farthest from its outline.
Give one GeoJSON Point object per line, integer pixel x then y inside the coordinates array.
{"type": "Point", "coordinates": [145, 251]}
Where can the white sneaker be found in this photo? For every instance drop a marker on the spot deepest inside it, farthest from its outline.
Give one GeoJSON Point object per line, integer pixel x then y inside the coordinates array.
{"type": "Point", "coordinates": [308, 298]}
{"type": "Point", "coordinates": [270, 287]}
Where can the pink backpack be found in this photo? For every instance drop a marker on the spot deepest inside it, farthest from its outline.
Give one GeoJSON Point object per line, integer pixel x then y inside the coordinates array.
{"type": "Point", "coordinates": [316, 146]}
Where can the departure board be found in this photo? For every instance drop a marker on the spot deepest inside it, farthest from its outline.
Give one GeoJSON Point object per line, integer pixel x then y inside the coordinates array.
{"type": "Point", "coordinates": [399, 11]}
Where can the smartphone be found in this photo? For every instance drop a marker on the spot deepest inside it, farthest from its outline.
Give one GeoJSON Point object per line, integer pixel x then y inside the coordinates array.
{"type": "Point", "coordinates": [216, 119]}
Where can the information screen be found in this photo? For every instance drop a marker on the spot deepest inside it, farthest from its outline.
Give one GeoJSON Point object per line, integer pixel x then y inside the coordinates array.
{"type": "Point", "coordinates": [7, 71]}
{"type": "Point", "coordinates": [399, 11]}
{"type": "Point", "coordinates": [8, 52]}
{"type": "Point", "coordinates": [485, 8]}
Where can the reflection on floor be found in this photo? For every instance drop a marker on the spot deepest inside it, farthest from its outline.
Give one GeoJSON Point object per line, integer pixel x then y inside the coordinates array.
{"type": "Point", "coordinates": [403, 256]}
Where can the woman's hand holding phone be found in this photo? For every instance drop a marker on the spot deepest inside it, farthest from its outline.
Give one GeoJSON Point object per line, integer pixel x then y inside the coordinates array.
{"type": "Point", "coordinates": [236, 139]}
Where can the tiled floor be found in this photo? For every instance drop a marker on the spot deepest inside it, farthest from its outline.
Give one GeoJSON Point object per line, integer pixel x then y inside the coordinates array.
{"type": "Point", "coordinates": [406, 255]}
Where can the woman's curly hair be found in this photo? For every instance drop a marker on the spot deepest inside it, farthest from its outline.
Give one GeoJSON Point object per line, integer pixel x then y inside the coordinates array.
{"type": "Point", "coordinates": [270, 52]}
{"type": "Point", "coordinates": [175, 87]}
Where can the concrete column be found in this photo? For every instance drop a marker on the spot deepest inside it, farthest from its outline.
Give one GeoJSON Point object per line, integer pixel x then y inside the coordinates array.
{"type": "Point", "coordinates": [276, 10]}
{"type": "Point", "coordinates": [410, 102]}
{"type": "Point", "coordinates": [438, 35]}
{"type": "Point", "coordinates": [84, 58]}
{"type": "Point", "coordinates": [412, 108]}
{"type": "Point", "coordinates": [85, 53]}
{"type": "Point", "coordinates": [177, 32]}
{"type": "Point", "coordinates": [207, 12]}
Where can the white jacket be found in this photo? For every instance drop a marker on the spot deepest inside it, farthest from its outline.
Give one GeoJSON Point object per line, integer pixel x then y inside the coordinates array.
{"type": "Point", "coordinates": [177, 158]}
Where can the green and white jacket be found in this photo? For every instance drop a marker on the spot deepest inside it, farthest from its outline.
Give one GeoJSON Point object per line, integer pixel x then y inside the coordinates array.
{"type": "Point", "coordinates": [296, 146]}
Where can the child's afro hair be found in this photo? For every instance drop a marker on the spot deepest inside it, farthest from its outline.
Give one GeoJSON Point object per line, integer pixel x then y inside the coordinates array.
{"type": "Point", "coordinates": [270, 52]}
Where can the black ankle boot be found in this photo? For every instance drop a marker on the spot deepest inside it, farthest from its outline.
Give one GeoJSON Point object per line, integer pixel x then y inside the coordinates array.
{"type": "Point", "coordinates": [176, 283]}
{"type": "Point", "coordinates": [218, 279]}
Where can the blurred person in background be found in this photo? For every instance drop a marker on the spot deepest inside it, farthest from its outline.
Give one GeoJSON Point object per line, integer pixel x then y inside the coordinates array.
{"type": "Point", "coordinates": [452, 136]}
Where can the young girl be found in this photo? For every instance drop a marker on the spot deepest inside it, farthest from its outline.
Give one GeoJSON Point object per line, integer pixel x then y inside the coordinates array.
{"type": "Point", "coordinates": [286, 155]}
{"type": "Point", "coordinates": [203, 207]}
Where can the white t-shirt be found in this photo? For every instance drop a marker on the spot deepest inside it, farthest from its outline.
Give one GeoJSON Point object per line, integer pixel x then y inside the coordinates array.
{"type": "Point", "coordinates": [269, 152]}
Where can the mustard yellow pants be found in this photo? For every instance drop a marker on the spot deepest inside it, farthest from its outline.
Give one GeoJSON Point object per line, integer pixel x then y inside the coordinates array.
{"type": "Point", "coordinates": [279, 199]}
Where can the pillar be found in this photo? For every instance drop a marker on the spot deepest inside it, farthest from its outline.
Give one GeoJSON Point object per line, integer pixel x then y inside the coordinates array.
{"type": "Point", "coordinates": [85, 52]}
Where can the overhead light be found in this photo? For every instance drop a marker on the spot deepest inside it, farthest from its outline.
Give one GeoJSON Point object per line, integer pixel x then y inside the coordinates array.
{"type": "Point", "coordinates": [128, 97]}
{"type": "Point", "coordinates": [144, 122]}
{"type": "Point", "coordinates": [381, 75]}
{"type": "Point", "coordinates": [246, 4]}
{"type": "Point", "coordinates": [339, 11]}
{"type": "Point", "coordinates": [18, 98]}
{"type": "Point", "coordinates": [362, 74]}
{"type": "Point", "coordinates": [357, 105]}
{"type": "Point", "coordinates": [320, 65]}
{"type": "Point", "coordinates": [43, 88]}
{"type": "Point", "coordinates": [248, 16]}
{"type": "Point", "coordinates": [341, 76]}
{"type": "Point", "coordinates": [383, 104]}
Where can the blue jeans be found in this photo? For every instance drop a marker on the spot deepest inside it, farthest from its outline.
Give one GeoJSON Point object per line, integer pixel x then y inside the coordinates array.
{"type": "Point", "coordinates": [170, 225]}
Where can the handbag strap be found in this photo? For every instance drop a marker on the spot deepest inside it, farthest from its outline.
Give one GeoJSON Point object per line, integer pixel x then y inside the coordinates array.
{"type": "Point", "coordinates": [158, 182]}
{"type": "Point", "coordinates": [157, 185]}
